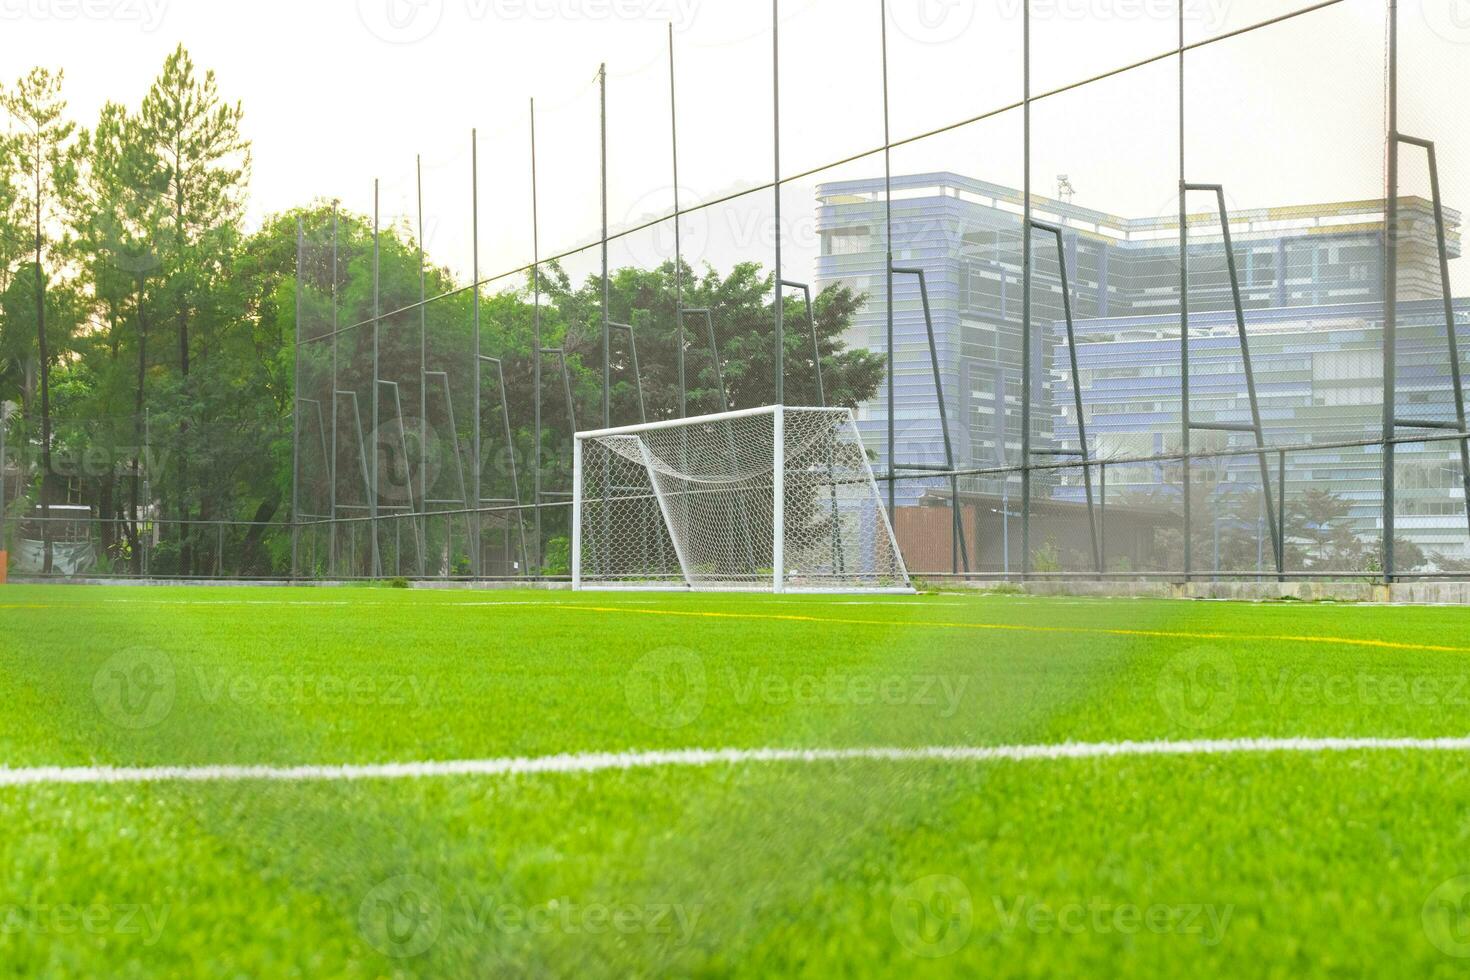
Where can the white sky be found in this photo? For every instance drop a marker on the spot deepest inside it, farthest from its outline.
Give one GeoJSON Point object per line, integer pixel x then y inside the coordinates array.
{"type": "Point", "coordinates": [337, 93]}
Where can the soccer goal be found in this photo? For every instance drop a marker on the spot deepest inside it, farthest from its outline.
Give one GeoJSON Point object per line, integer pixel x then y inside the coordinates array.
{"type": "Point", "coordinates": [768, 499]}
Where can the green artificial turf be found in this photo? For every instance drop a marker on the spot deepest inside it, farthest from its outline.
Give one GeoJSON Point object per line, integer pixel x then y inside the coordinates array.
{"type": "Point", "coordinates": [1330, 864]}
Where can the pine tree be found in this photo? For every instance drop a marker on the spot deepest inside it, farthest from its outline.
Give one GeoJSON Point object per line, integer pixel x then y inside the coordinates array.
{"type": "Point", "coordinates": [205, 162]}
{"type": "Point", "coordinates": [44, 147]}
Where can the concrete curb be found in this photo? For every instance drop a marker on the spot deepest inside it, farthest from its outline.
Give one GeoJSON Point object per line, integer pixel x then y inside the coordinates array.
{"type": "Point", "coordinates": [1420, 593]}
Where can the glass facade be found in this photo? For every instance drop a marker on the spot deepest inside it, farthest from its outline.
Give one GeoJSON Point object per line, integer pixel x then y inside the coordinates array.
{"type": "Point", "coordinates": [1311, 279]}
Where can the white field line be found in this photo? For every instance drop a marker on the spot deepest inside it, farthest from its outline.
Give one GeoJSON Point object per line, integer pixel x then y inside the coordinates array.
{"type": "Point", "coordinates": [603, 761]}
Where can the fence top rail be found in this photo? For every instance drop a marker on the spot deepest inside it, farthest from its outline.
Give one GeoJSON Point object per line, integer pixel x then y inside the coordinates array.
{"type": "Point", "coordinates": [741, 413]}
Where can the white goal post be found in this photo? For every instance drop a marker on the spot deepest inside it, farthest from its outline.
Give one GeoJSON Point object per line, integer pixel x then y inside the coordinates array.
{"type": "Point", "coordinates": [773, 499]}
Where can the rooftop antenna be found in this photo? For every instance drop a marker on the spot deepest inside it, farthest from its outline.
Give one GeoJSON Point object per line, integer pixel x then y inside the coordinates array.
{"type": "Point", "coordinates": [1065, 190]}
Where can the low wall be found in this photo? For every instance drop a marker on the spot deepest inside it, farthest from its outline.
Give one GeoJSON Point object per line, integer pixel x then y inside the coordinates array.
{"type": "Point", "coordinates": [1403, 593]}
{"type": "Point", "coordinates": [1436, 593]}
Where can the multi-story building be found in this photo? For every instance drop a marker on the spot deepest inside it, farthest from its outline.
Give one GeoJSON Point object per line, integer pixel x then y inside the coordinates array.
{"type": "Point", "coordinates": [1311, 280]}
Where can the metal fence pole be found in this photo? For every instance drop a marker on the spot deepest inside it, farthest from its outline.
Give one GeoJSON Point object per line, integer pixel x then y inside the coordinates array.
{"type": "Point", "coordinates": [678, 239]}
{"type": "Point", "coordinates": [478, 564]}
{"type": "Point", "coordinates": [536, 353]}
{"type": "Point", "coordinates": [606, 281]}
{"type": "Point", "coordinates": [1184, 426]}
{"type": "Point", "coordinates": [295, 417]}
{"type": "Point", "coordinates": [780, 355]}
{"type": "Point", "coordinates": [1026, 276]}
{"type": "Point", "coordinates": [889, 370]}
{"type": "Point", "coordinates": [1390, 293]}
{"type": "Point", "coordinates": [377, 565]}
{"type": "Point", "coordinates": [332, 464]}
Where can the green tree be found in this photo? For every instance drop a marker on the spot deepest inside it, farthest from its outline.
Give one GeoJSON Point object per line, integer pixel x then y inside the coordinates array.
{"type": "Point", "coordinates": [744, 316]}
{"type": "Point", "coordinates": [1319, 520]}
{"type": "Point", "coordinates": [16, 339]}
{"type": "Point", "coordinates": [45, 151]}
{"type": "Point", "coordinates": [117, 234]}
{"type": "Point", "coordinates": [205, 163]}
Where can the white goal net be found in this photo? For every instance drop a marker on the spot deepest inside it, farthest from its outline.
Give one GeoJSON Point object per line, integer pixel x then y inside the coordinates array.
{"type": "Point", "coordinates": [768, 499]}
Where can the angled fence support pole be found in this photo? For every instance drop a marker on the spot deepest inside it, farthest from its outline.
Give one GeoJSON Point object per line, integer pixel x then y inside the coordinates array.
{"type": "Point", "coordinates": [1281, 512]}
{"type": "Point", "coordinates": [408, 476]}
{"type": "Point", "coordinates": [321, 426]}
{"type": "Point", "coordinates": [367, 484]}
{"type": "Point", "coordinates": [627, 328]}
{"type": "Point", "coordinates": [811, 318]}
{"type": "Point", "coordinates": [959, 551]}
{"type": "Point", "coordinates": [1447, 298]}
{"type": "Point", "coordinates": [464, 487]}
{"type": "Point", "coordinates": [714, 352]}
{"type": "Point", "coordinates": [642, 414]}
{"type": "Point", "coordinates": [566, 386]}
{"type": "Point", "coordinates": [510, 454]}
{"type": "Point", "coordinates": [1056, 232]}
{"type": "Point", "coordinates": [1254, 428]}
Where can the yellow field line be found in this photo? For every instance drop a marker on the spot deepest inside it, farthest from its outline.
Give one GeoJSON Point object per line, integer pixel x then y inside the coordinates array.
{"type": "Point", "coordinates": [837, 621]}
{"type": "Point", "coordinates": [1019, 628]}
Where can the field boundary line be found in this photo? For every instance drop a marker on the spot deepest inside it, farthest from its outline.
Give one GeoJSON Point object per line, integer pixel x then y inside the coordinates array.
{"type": "Point", "coordinates": [1025, 628]}
{"type": "Point", "coordinates": [594, 762]}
